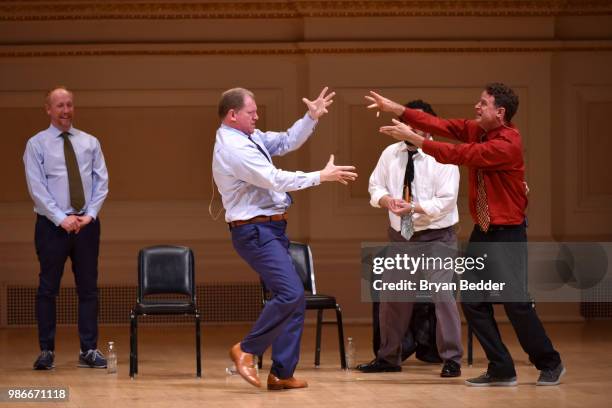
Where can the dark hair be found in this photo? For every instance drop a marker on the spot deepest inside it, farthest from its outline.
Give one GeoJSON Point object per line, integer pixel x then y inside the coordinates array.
{"type": "Point", "coordinates": [504, 98]}
{"type": "Point", "coordinates": [233, 99]}
{"type": "Point", "coordinates": [422, 105]}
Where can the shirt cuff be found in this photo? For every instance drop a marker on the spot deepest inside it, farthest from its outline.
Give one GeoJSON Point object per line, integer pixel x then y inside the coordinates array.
{"type": "Point", "coordinates": [57, 218]}
{"type": "Point", "coordinates": [375, 198]}
{"type": "Point", "coordinates": [310, 121]}
{"type": "Point", "coordinates": [429, 208]}
{"type": "Point", "coordinates": [312, 179]}
{"type": "Point", "coordinates": [91, 213]}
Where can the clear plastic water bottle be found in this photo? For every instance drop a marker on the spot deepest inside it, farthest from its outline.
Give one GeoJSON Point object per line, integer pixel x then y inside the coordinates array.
{"type": "Point", "coordinates": [111, 358]}
{"type": "Point", "coordinates": [350, 353]}
{"type": "Point", "coordinates": [231, 370]}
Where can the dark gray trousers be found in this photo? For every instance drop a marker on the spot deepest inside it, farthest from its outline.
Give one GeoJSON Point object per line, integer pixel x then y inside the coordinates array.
{"type": "Point", "coordinates": [395, 316]}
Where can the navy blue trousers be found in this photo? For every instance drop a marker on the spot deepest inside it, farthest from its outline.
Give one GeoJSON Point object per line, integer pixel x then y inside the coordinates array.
{"type": "Point", "coordinates": [265, 247]}
{"type": "Point", "coordinates": [53, 246]}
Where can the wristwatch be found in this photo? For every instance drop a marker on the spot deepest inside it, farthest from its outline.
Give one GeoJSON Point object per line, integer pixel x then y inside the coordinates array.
{"type": "Point", "coordinates": [412, 207]}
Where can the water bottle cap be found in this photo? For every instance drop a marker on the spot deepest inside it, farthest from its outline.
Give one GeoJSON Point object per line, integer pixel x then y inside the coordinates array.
{"type": "Point", "coordinates": [111, 342]}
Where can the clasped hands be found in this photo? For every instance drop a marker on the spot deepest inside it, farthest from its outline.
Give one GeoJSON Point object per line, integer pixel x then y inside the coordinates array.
{"type": "Point", "coordinates": [74, 223]}
{"type": "Point", "coordinates": [397, 206]}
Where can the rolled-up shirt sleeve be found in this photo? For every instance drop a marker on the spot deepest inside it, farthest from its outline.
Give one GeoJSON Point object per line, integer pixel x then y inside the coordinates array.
{"type": "Point", "coordinates": [444, 199]}
{"type": "Point", "coordinates": [377, 185]}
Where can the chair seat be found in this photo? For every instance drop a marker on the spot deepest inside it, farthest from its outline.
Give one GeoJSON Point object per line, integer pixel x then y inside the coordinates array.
{"type": "Point", "coordinates": [319, 301]}
{"type": "Point", "coordinates": [165, 306]}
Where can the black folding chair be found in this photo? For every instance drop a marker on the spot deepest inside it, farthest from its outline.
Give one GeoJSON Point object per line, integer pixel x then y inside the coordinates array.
{"type": "Point", "coordinates": [164, 270]}
{"type": "Point", "coordinates": [302, 259]}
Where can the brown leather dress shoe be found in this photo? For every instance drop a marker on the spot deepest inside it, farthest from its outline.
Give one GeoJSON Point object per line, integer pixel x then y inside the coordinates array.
{"type": "Point", "coordinates": [275, 383]}
{"type": "Point", "coordinates": [244, 365]}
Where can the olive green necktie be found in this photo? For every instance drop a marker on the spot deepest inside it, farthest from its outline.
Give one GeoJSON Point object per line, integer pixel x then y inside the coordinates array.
{"type": "Point", "coordinates": [75, 185]}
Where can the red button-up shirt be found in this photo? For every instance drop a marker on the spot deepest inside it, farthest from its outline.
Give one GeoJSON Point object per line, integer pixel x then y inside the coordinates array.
{"type": "Point", "coordinates": [499, 156]}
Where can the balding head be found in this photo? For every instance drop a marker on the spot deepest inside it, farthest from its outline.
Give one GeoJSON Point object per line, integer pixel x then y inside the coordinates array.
{"type": "Point", "coordinates": [60, 107]}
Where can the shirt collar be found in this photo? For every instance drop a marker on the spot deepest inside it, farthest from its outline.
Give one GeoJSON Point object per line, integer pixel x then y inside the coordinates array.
{"type": "Point", "coordinates": [57, 132]}
{"type": "Point", "coordinates": [402, 147]}
{"type": "Point", "coordinates": [234, 130]}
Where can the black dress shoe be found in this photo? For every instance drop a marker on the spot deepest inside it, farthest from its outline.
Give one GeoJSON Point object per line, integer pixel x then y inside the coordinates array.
{"type": "Point", "coordinates": [377, 366]}
{"type": "Point", "coordinates": [450, 369]}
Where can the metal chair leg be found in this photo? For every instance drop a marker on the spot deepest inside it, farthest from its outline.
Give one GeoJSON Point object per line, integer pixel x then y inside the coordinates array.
{"type": "Point", "coordinates": [136, 344]}
{"type": "Point", "coordinates": [198, 347]}
{"type": "Point", "coordinates": [132, 356]}
{"type": "Point", "coordinates": [470, 346]}
{"type": "Point", "coordinates": [317, 361]}
{"type": "Point", "coordinates": [340, 337]}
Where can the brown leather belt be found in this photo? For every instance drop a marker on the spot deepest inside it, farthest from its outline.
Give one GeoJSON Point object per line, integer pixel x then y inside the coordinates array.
{"type": "Point", "coordinates": [259, 218]}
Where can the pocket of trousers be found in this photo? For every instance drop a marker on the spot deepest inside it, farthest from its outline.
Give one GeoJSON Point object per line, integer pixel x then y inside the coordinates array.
{"type": "Point", "coordinates": [246, 236]}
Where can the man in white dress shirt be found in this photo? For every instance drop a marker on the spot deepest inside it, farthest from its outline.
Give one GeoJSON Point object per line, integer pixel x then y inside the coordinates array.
{"type": "Point", "coordinates": [255, 197]}
{"type": "Point", "coordinates": [421, 197]}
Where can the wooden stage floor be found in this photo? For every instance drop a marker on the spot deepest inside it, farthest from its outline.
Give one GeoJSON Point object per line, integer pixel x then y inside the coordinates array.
{"type": "Point", "coordinates": [167, 372]}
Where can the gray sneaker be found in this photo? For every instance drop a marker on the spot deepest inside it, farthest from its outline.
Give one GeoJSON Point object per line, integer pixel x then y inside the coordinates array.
{"type": "Point", "coordinates": [92, 359]}
{"type": "Point", "coordinates": [45, 360]}
{"type": "Point", "coordinates": [551, 377]}
{"type": "Point", "coordinates": [485, 380]}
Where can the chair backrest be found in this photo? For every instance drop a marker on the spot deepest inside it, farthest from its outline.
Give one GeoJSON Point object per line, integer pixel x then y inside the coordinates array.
{"type": "Point", "coordinates": [302, 259]}
{"type": "Point", "coordinates": [166, 269]}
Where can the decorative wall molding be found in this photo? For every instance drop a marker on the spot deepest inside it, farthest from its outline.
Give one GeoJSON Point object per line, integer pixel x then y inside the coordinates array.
{"type": "Point", "coordinates": [37, 10]}
{"type": "Point", "coordinates": [297, 49]}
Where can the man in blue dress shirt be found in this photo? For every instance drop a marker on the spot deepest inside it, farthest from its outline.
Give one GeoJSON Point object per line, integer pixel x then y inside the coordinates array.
{"type": "Point", "coordinates": [68, 182]}
{"type": "Point", "coordinates": [255, 197]}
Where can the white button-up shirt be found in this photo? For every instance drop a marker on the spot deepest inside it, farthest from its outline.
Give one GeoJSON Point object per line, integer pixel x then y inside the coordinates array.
{"type": "Point", "coordinates": [249, 184]}
{"type": "Point", "coordinates": [435, 187]}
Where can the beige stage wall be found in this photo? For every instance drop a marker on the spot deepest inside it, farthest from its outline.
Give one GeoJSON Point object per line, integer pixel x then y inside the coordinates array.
{"type": "Point", "coordinates": [147, 78]}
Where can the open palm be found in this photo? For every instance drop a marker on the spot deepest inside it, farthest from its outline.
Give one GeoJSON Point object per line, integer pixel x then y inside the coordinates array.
{"type": "Point", "coordinates": [318, 107]}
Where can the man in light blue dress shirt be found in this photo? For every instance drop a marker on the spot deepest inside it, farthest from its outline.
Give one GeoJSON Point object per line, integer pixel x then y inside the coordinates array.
{"type": "Point", "coordinates": [255, 197]}
{"type": "Point", "coordinates": [65, 169]}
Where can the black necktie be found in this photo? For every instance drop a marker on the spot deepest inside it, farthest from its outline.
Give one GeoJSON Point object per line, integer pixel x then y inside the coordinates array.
{"type": "Point", "coordinates": [409, 175]}
{"type": "Point", "coordinates": [75, 185]}
{"type": "Point", "coordinates": [260, 149]}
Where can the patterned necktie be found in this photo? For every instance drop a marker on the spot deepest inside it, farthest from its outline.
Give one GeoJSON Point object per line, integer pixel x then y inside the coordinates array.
{"type": "Point", "coordinates": [407, 224]}
{"type": "Point", "coordinates": [75, 185]}
{"type": "Point", "coordinates": [482, 205]}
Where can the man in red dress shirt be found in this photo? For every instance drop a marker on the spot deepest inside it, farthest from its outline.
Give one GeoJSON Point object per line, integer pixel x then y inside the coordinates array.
{"type": "Point", "coordinates": [492, 150]}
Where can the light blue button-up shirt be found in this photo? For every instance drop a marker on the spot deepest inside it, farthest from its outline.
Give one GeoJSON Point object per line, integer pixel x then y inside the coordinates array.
{"type": "Point", "coordinates": [249, 184]}
{"type": "Point", "coordinates": [47, 177]}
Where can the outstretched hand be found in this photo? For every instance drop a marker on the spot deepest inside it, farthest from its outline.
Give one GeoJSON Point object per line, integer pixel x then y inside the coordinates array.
{"type": "Point", "coordinates": [380, 103]}
{"type": "Point", "coordinates": [402, 131]}
{"type": "Point", "coordinates": [318, 107]}
{"type": "Point", "coordinates": [342, 174]}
